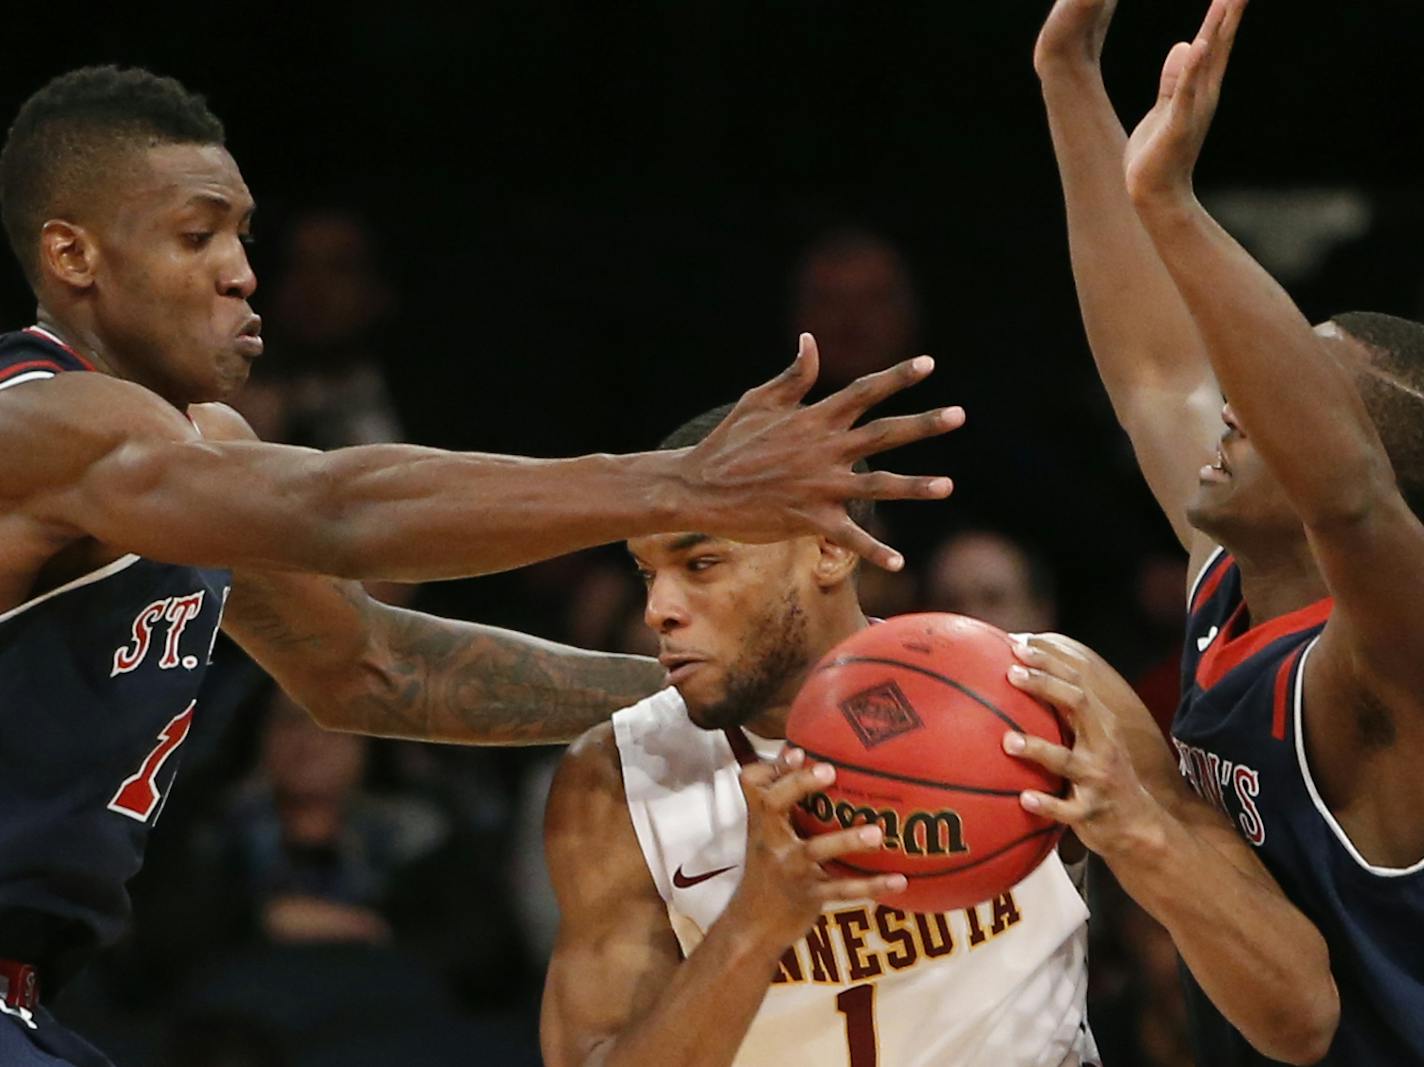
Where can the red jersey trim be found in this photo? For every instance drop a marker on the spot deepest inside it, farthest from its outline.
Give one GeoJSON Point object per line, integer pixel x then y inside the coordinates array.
{"type": "Point", "coordinates": [55, 339]}
{"type": "Point", "coordinates": [16, 369]}
{"type": "Point", "coordinates": [1210, 579]}
{"type": "Point", "coordinates": [1281, 701]}
{"type": "Point", "coordinates": [1230, 649]}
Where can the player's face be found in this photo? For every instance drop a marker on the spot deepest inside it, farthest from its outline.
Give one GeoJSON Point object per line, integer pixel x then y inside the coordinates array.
{"type": "Point", "coordinates": [172, 280]}
{"type": "Point", "coordinates": [731, 621]}
{"type": "Point", "coordinates": [1237, 495]}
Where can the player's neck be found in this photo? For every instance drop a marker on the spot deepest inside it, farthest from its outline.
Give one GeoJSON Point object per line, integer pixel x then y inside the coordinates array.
{"type": "Point", "coordinates": [1278, 583]}
{"type": "Point", "coordinates": [771, 723]}
{"type": "Point", "coordinates": [82, 340]}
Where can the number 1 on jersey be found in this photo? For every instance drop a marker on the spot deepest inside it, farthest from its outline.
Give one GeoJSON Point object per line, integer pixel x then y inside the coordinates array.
{"type": "Point", "coordinates": [857, 1004]}
{"type": "Point", "coordinates": [138, 797]}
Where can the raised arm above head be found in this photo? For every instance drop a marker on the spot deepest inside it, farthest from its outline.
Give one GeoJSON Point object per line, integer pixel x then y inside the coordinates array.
{"type": "Point", "coordinates": [1144, 342]}
{"type": "Point", "coordinates": [1299, 403]}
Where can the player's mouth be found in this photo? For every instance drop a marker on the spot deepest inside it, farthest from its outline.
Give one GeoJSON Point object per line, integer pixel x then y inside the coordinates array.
{"type": "Point", "coordinates": [249, 338]}
{"type": "Point", "coordinates": [1218, 470]}
{"type": "Point", "coordinates": [680, 666]}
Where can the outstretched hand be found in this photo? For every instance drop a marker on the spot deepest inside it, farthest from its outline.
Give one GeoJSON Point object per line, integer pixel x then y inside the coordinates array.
{"type": "Point", "coordinates": [774, 470]}
{"type": "Point", "coordinates": [1073, 35]}
{"type": "Point", "coordinates": [1163, 151]}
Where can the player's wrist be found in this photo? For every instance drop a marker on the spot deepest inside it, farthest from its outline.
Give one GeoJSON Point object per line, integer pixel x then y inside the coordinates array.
{"type": "Point", "coordinates": [754, 929]}
{"type": "Point", "coordinates": [1067, 71]}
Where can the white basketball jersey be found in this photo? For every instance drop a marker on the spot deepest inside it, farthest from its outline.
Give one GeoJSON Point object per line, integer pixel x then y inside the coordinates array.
{"type": "Point", "coordinates": [1002, 984]}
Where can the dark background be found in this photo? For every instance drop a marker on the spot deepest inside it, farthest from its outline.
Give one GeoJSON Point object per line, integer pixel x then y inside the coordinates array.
{"type": "Point", "coordinates": [593, 213]}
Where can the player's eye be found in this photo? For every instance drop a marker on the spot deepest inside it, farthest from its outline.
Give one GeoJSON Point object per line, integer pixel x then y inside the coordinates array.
{"type": "Point", "coordinates": [247, 239]}
{"type": "Point", "coordinates": [645, 576]}
{"type": "Point", "coordinates": [198, 238]}
{"type": "Point", "coordinates": [699, 564]}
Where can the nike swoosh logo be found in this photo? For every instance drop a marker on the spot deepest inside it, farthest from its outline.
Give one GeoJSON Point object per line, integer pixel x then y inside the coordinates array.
{"type": "Point", "coordinates": [1203, 643]}
{"type": "Point", "coordinates": [683, 881]}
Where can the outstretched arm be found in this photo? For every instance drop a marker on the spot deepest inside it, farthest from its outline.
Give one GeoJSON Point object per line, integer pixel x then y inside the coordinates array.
{"type": "Point", "coordinates": [1260, 960]}
{"type": "Point", "coordinates": [1146, 346]}
{"type": "Point", "coordinates": [1293, 392]}
{"type": "Point", "coordinates": [362, 666]}
{"type": "Point", "coordinates": [133, 474]}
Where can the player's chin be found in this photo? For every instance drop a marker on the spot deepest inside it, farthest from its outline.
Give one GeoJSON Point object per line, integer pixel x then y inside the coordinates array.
{"type": "Point", "coordinates": [707, 709]}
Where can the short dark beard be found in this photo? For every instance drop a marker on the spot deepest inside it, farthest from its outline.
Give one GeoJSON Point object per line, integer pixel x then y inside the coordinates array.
{"type": "Point", "coordinates": [775, 650]}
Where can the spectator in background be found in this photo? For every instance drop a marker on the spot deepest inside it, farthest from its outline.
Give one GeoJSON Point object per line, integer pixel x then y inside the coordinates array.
{"type": "Point", "coordinates": [324, 385]}
{"type": "Point", "coordinates": [853, 291]}
{"type": "Point", "coordinates": [991, 576]}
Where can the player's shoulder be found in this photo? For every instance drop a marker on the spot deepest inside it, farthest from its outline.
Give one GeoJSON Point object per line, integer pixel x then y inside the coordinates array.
{"type": "Point", "coordinates": [220, 422]}
{"type": "Point", "coordinates": [89, 406]}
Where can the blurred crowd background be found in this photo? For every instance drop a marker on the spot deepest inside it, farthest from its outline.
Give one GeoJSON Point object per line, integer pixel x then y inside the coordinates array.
{"type": "Point", "coordinates": [551, 228]}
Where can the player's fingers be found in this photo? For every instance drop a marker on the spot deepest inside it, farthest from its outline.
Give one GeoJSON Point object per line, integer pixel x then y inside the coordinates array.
{"type": "Point", "coordinates": [847, 405]}
{"type": "Point", "coordinates": [1072, 700]}
{"type": "Point", "coordinates": [790, 758]}
{"type": "Point", "coordinates": [758, 776]}
{"type": "Point", "coordinates": [1172, 71]}
{"type": "Point", "coordinates": [843, 842]}
{"type": "Point", "coordinates": [885, 434]}
{"type": "Point", "coordinates": [791, 385]}
{"type": "Point", "coordinates": [883, 485]}
{"type": "Point", "coordinates": [1041, 652]}
{"type": "Point", "coordinates": [851, 537]}
{"type": "Point", "coordinates": [1051, 757]}
{"type": "Point", "coordinates": [1067, 810]}
{"type": "Point", "coordinates": [859, 888]}
{"type": "Point", "coordinates": [786, 790]}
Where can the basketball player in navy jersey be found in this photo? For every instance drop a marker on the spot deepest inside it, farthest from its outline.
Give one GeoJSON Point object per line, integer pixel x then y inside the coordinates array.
{"type": "Point", "coordinates": [137, 514]}
{"type": "Point", "coordinates": [1302, 717]}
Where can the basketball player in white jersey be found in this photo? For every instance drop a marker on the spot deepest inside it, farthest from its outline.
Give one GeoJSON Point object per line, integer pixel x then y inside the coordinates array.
{"type": "Point", "coordinates": [697, 929]}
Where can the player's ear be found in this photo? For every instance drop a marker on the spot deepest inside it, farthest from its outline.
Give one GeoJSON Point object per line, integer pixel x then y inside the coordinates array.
{"type": "Point", "coordinates": [69, 254]}
{"type": "Point", "coordinates": [834, 564]}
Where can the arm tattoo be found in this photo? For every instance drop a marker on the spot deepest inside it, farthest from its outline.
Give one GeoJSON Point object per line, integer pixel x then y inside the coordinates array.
{"type": "Point", "coordinates": [460, 682]}
{"type": "Point", "coordinates": [370, 668]}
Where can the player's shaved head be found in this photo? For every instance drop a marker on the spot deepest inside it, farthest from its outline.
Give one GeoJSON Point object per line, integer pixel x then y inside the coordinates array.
{"type": "Point", "coordinates": [1391, 385]}
{"type": "Point", "coordinates": [76, 134]}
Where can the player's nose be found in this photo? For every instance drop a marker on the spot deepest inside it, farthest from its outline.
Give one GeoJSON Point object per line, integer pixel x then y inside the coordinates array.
{"type": "Point", "coordinates": [665, 610]}
{"type": "Point", "coordinates": [238, 279]}
{"type": "Point", "coordinates": [1228, 416]}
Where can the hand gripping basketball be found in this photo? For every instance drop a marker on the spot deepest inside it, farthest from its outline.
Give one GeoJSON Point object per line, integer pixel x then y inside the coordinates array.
{"type": "Point", "coordinates": [774, 470]}
{"type": "Point", "coordinates": [784, 886]}
{"type": "Point", "coordinates": [1107, 806]}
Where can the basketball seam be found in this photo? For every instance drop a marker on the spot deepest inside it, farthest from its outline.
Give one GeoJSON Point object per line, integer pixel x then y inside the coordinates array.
{"type": "Point", "coordinates": [1015, 843]}
{"type": "Point", "coordinates": [877, 772]}
{"type": "Point", "coordinates": [841, 661]}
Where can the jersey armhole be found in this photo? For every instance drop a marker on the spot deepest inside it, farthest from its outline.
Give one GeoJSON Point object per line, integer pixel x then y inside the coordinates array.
{"type": "Point", "coordinates": [624, 740]}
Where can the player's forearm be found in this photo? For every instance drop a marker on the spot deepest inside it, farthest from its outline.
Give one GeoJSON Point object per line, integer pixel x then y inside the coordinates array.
{"type": "Point", "coordinates": [1297, 403]}
{"type": "Point", "coordinates": [1138, 326]}
{"type": "Point", "coordinates": [366, 667]}
{"type": "Point", "coordinates": [409, 514]}
{"type": "Point", "coordinates": [432, 679]}
{"type": "Point", "coordinates": [1263, 963]}
{"type": "Point", "coordinates": [703, 1015]}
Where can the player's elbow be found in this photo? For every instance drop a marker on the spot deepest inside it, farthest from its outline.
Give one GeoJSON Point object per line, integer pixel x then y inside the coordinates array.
{"type": "Point", "coordinates": [1306, 1028]}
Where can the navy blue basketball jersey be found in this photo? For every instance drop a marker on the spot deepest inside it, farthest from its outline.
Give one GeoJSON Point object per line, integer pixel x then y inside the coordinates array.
{"type": "Point", "coordinates": [1239, 739]}
{"type": "Point", "coordinates": [98, 686]}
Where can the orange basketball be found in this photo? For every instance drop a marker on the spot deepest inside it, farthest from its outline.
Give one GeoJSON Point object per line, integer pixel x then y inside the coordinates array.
{"type": "Point", "coordinates": [912, 712]}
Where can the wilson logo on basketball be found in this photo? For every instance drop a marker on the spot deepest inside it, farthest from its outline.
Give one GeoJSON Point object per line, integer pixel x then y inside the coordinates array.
{"type": "Point", "coordinates": [922, 833]}
{"type": "Point", "coordinates": [879, 713]}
